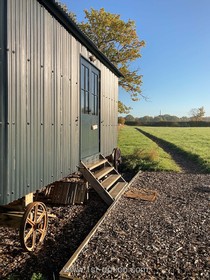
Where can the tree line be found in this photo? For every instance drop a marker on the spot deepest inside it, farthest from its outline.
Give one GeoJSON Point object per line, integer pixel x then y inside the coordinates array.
{"type": "Point", "coordinates": [196, 119]}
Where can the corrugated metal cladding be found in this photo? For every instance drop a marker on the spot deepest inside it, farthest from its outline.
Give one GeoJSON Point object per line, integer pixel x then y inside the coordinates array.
{"type": "Point", "coordinates": [42, 126]}
{"type": "Point", "coordinates": [109, 111]}
{"type": "Point", "coordinates": [3, 100]}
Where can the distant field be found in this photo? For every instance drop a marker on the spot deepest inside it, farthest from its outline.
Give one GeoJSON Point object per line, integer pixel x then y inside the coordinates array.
{"type": "Point", "coordinates": [195, 141]}
{"type": "Point", "coordinates": [139, 152]}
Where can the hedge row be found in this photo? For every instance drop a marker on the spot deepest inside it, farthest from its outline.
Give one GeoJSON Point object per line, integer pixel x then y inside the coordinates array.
{"type": "Point", "coordinates": [171, 124]}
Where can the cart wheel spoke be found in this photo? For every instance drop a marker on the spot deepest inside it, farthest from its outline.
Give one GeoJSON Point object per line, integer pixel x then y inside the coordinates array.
{"type": "Point", "coordinates": [41, 231]}
{"type": "Point", "coordinates": [34, 239]}
{"type": "Point", "coordinates": [35, 212]}
{"type": "Point", "coordinates": [33, 226]}
{"type": "Point", "coordinates": [28, 235]}
{"type": "Point", "coordinates": [31, 222]}
{"type": "Point", "coordinates": [41, 217]}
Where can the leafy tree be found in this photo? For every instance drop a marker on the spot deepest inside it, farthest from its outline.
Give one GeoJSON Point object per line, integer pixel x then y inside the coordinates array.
{"type": "Point", "coordinates": [129, 118]}
{"type": "Point", "coordinates": [158, 118]}
{"type": "Point", "coordinates": [123, 109]}
{"type": "Point", "coordinates": [197, 114]}
{"type": "Point", "coordinates": [119, 41]}
{"type": "Point", "coordinates": [184, 119]}
{"type": "Point", "coordinates": [169, 118]}
{"type": "Point", "coordinates": [201, 112]}
{"type": "Point", "coordinates": [146, 119]}
{"type": "Point", "coordinates": [121, 120]}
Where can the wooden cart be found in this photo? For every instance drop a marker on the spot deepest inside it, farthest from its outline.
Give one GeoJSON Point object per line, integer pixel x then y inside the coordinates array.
{"type": "Point", "coordinates": [30, 217]}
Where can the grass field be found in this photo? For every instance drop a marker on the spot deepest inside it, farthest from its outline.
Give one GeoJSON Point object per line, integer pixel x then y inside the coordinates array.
{"type": "Point", "coordinates": [194, 141]}
{"type": "Point", "coordinates": [139, 152]}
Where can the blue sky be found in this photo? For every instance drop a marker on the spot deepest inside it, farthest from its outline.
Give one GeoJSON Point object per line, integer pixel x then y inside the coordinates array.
{"type": "Point", "coordinates": [175, 63]}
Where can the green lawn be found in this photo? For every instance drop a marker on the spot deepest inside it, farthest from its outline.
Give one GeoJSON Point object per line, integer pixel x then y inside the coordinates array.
{"type": "Point", "coordinates": [139, 152]}
{"type": "Point", "coordinates": [195, 141]}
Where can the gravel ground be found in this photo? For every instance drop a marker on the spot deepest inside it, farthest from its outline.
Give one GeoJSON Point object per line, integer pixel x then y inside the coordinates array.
{"type": "Point", "coordinates": [65, 233]}
{"type": "Point", "coordinates": [165, 239]}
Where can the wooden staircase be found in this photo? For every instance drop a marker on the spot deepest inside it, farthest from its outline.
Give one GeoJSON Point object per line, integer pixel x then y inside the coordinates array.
{"type": "Point", "coordinates": [104, 178]}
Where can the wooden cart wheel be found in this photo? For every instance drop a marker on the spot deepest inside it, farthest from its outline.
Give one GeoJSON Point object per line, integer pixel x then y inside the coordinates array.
{"type": "Point", "coordinates": [33, 227]}
{"type": "Point", "coordinates": [116, 157]}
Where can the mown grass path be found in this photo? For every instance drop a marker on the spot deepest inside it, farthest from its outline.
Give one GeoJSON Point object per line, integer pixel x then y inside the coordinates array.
{"type": "Point", "coordinates": [179, 156]}
{"type": "Point", "coordinates": [192, 144]}
{"type": "Point", "coordinates": [141, 153]}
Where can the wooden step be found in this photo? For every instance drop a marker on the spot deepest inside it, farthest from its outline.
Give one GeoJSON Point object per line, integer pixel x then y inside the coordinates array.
{"type": "Point", "coordinates": [103, 177]}
{"type": "Point", "coordinates": [93, 165]}
{"type": "Point", "coordinates": [102, 172]}
{"type": "Point", "coordinates": [109, 181]}
{"type": "Point", "coordinates": [117, 189]}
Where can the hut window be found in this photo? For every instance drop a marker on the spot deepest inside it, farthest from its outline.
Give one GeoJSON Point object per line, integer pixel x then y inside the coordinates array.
{"type": "Point", "coordinates": [89, 88]}
{"type": "Point", "coordinates": [85, 89]}
{"type": "Point", "coordinates": [94, 94]}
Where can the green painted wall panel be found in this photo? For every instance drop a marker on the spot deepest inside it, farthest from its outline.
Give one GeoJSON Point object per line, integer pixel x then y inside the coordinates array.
{"type": "Point", "coordinates": [3, 102]}
{"type": "Point", "coordinates": [40, 99]}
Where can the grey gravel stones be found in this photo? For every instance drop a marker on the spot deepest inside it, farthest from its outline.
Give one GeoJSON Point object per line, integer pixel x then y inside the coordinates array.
{"type": "Point", "coordinates": [165, 239]}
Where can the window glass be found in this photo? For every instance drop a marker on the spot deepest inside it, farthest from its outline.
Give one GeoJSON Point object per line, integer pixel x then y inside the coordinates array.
{"type": "Point", "coordinates": [86, 78]}
{"type": "Point", "coordinates": [83, 77]}
{"type": "Point", "coordinates": [96, 94]}
{"type": "Point", "coordinates": [83, 101]}
{"type": "Point", "coordinates": [89, 89]}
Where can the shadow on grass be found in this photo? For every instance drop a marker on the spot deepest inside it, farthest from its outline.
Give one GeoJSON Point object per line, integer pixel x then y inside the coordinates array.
{"type": "Point", "coordinates": [190, 163]}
